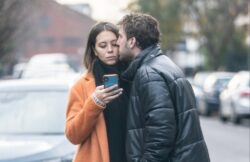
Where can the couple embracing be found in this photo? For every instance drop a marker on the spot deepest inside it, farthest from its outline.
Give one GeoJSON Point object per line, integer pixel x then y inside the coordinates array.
{"type": "Point", "coordinates": [150, 116]}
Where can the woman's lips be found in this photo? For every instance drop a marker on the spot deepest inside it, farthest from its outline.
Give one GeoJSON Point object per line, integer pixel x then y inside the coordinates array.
{"type": "Point", "coordinates": [111, 58]}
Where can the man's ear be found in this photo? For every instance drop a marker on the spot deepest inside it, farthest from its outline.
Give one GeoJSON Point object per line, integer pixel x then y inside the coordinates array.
{"type": "Point", "coordinates": [132, 42]}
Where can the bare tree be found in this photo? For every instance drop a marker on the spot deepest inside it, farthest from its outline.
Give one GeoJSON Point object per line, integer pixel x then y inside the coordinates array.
{"type": "Point", "coordinates": [15, 17]}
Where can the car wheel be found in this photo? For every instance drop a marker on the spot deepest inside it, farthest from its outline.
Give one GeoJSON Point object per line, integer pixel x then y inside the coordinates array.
{"type": "Point", "coordinates": [207, 111]}
{"type": "Point", "coordinates": [235, 118]}
{"type": "Point", "coordinates": [222, 117]}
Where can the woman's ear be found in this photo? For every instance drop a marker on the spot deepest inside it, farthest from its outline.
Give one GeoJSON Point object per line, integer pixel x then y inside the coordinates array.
{"type": "Point", "coordinates": [95, 52]}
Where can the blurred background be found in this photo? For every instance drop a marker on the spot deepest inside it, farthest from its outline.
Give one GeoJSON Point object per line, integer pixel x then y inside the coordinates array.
{"type": "Point", "coordinates": [41, 49]}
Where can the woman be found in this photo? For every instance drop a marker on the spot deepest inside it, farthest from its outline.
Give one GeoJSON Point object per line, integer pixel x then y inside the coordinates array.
{"type": "Point", "coordinates": [96, 115]}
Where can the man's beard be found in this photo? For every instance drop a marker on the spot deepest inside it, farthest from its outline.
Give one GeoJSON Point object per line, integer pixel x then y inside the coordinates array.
{"type": "Point", "coordinates": [126, 55]}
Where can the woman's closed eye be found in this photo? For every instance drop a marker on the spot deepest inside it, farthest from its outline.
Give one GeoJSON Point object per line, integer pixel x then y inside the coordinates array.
{"type": "Point", "coordinates": [103, 45]}
{"type": "Point", "coordinates": [115, 45]}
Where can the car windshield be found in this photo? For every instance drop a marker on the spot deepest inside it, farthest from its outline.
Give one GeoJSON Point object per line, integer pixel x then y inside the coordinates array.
{"type": "Point", "coordinates": [199, 79]}
{"type": "Point", "coordinates": [34, 112]}
{"type": "Point", "coordinates": [221, 83]}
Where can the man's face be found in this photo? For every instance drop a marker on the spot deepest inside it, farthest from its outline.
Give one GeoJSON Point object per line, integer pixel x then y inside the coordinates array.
{"type": "Point", "coordinates": [125, 53]}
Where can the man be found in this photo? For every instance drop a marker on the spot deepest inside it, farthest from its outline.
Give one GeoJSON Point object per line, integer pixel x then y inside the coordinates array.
{"type": "Point", "coordinates": [163, 124]}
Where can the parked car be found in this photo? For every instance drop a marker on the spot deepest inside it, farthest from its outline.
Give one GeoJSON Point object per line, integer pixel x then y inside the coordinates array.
{"type": "Point", "coordinates": [198, 87]}
{"type": "Point", "coordinates": [32, 118]}
{"type": "Point", "coordinates": [213, 85]}
{"type": "Point", "coordinates": [199, 97]}
{"type": "Point", "coordinates": [49, 65]}
{"type": "Point", "coordinates": [18, 70]}
{"type": "Point", "coordinates": [235, 99]}
{"type": "Point", "coordinates": [200, 77]}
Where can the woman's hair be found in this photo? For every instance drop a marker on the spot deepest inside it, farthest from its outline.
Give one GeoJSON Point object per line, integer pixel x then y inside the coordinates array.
{"type": "Point", "coordinates": [89, 55]}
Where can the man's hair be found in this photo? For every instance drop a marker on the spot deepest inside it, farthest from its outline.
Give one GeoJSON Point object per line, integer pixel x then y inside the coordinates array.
{"type": "Point", "coordinates": [143, 27]}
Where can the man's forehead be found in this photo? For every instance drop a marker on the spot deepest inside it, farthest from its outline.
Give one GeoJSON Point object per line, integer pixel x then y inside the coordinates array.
{"type": "Point", "coordinates": [121, 29]}
{"type": "Point", "coordinates": [119, 25]}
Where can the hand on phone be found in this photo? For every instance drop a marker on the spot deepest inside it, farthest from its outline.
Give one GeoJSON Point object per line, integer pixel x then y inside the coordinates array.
{"type": "Point", "coordinates": [108, 94]}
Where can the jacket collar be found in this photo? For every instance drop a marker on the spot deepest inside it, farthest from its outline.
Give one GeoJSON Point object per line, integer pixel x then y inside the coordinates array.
{"type": "Point", "coordinates": [143, 57]}
{"type": "Point", "coordinates": [88, 76]}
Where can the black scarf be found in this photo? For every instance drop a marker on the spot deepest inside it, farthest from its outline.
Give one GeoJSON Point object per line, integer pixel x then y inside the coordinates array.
{"type": "Point", "coordinates": [115, 111]}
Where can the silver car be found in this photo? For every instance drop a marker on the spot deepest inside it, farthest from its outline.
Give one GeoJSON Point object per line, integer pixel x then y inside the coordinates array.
{"type": "Point", "coordinates": [48, 65]}
{"type": "Point", "coordinates": [32, 118]}
{"type": "Point", "coordinates": [235, 99]}
{"type": "Point", "coordinates": [213, 85]}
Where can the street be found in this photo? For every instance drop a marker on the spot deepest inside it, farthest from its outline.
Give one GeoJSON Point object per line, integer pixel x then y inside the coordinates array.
{"type": "Point", "coordinates": [226, 142]}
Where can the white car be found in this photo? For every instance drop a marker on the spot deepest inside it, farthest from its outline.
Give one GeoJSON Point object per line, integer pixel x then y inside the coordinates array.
{"type": "Point", "coordinates": [200, 77]}
{"type": "Point", "coordinates": [32, 119]}
{"type": "Point", "coordinates": [49, 65]}
{"type": "Point", "coordinates": [235, 99]}
{"type": "Point", "coordinates": [214, 83]}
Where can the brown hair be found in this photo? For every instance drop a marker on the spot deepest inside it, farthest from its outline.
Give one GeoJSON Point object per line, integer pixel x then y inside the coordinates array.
{"type": "Point", "coordinates": [89, 54]}
{"type": "Point", "coordinates": [143, 27]}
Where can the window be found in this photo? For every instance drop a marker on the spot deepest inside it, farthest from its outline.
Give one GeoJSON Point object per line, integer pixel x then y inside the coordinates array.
{"type": "Point", "coordinates": [72, 41]}
{"type": "Point", "coordinates": [46, 42]}
{"type": "Point", "coordinates": [44, 22]}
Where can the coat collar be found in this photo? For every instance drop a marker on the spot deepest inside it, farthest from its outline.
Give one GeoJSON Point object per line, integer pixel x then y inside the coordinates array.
{"type": "Point", "coordinates": [89, 81]}
{"type": "Point", "coordinates": [88, 76]}
{"type": "Point", "coordinates": [146, 55]}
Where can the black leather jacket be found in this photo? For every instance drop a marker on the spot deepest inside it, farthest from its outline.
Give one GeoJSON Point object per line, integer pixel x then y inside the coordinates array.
{"type": "Point", "coordinates": [163, 124]}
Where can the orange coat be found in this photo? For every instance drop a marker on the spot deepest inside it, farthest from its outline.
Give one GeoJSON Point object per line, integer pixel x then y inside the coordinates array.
{"type": "Point", "coordinates": [85, 125]}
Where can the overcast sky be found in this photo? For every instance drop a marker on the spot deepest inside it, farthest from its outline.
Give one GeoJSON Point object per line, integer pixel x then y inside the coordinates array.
{"type": "Point", "coordinates": [109, 10]}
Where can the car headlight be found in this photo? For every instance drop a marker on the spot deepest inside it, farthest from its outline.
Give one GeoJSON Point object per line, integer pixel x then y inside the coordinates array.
{"type": "Point", "coordinates": [67, 158]}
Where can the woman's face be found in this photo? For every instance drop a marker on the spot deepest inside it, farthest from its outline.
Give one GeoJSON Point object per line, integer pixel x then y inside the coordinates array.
{"type": "Point", "coordinates": [106, 48]}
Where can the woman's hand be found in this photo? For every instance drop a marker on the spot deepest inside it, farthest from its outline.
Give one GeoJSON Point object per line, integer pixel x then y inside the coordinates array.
{"type": "Point", "coordinates": [106, 95]}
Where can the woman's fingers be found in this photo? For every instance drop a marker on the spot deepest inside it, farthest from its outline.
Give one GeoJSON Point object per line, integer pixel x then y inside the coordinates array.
{"type": "Point", "coordinates": [114, 92]}
{"type": "Point", "coordinates": [108, 94]}
{"type": "Point", "coordinates": [110, 98]}
{"type": "Point", "coordinates": [111, 88]}
{"type": "Point", "coordinates": [101, 87]}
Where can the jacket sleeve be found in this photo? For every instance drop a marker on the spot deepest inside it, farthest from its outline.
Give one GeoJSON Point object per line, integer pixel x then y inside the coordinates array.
{"type": "Point", "coordinates": [81, 117]}
{"type": "Point", "coordinates": [159, 117]}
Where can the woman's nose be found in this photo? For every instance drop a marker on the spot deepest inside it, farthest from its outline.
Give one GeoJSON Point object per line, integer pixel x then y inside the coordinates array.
{"type": "Point", "coordinates": [110, 48]}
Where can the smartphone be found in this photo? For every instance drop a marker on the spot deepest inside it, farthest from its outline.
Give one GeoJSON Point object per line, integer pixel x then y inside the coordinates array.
{"type": "Point", "coordinates": [110, 80]}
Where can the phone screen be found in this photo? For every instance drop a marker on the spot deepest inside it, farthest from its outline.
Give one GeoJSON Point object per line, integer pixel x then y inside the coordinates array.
{"type": "Point", "coordinates": [110, 80]}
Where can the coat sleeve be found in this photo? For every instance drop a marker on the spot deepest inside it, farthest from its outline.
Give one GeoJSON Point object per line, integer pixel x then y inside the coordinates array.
{"type": "Point", "coordinates": [159, 118]}
{"type": "Point", "coordinates": [81, 117]}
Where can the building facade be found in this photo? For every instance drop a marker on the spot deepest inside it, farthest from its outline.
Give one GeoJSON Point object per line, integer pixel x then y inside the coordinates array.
{"type": "Point", "coordinates": [56, 28]}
